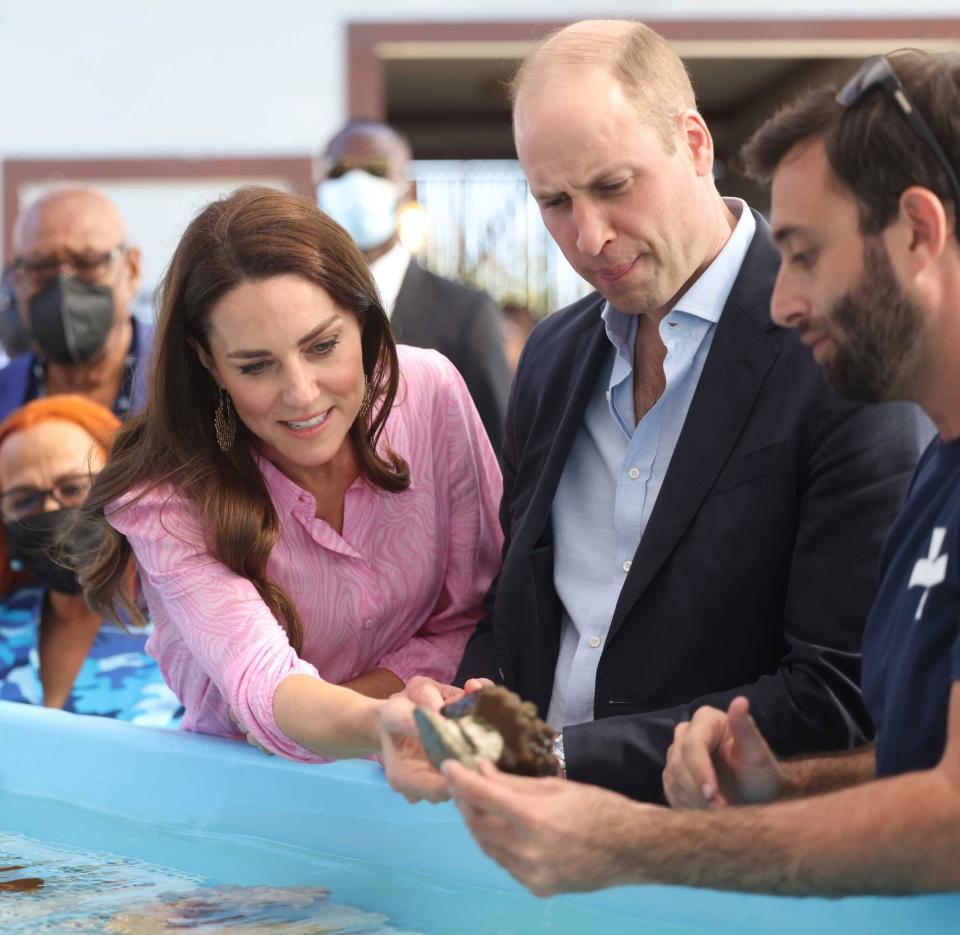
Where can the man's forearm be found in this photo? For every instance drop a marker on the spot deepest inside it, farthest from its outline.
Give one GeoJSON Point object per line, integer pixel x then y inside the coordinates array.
{"type": "Point", "coordinates": [814, 775]}
{"type": "Point", "coordinates": [897, 835]}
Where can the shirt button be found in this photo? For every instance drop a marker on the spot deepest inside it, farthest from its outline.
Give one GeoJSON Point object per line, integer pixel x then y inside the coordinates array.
{"type": "Point", "coordinates": [369, 624]}
{"type": "Point", "coordinates": [633, 473]}
{"type": "Point", "coordinates": [627, 564]}
{"type": "Point", "coordinates": [594, 641]}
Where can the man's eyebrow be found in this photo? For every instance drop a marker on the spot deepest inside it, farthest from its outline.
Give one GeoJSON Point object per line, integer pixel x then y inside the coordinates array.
{"type": "Point", "coordinates": [781, 234]}
{"type": "Point", "coordinates": [598, 178]}
{"type": "Point", "coordinates": [306, 339]}
{"type": "Point", "coordinates": [544, 195]}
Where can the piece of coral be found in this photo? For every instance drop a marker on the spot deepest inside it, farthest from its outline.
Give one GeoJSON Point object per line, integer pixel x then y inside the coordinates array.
{"type": "Point", "coordinates": [493, 724]}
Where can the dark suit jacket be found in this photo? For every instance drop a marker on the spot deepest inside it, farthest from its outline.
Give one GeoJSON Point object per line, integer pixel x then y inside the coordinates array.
{"type": "Point", "coordinates": [759, 563]}
{"type": "Point", "coordinates": [464, 325]}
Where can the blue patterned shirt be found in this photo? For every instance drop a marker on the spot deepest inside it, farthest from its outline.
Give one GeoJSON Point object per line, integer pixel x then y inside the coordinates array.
{"type": "Point", "coordinates": [117, 679]}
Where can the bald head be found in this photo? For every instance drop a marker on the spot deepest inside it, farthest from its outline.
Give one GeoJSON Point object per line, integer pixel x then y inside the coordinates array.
{"type": "Point", "coordinates": [652, 75]}
{"type": "Point", "coordinates": [77, 219]}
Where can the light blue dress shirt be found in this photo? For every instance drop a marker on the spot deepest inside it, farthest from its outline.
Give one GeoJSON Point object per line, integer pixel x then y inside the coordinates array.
{"type": "Point", "coordinates": [617, 466]}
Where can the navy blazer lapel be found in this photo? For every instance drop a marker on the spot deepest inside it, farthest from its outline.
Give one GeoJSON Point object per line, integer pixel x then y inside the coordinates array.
{"type": "Point", "coordinates": [740, 358]}
{"type": "Point", "coordinates": [584, 366]}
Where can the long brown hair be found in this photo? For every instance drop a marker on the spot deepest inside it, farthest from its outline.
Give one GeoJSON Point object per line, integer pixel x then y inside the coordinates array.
{"type": "Point", "coordinates": [251, 235]}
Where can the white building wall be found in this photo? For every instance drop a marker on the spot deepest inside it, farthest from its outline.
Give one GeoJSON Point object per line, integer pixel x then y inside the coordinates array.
{"type": "Point", "coordinates": [195, 77]}
{"type": "Point", "coordinates": [127, 78]}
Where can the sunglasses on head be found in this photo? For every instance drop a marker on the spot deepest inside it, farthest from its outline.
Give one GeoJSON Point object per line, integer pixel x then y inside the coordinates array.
{"type": "Point", "coordinates": [877, 72]}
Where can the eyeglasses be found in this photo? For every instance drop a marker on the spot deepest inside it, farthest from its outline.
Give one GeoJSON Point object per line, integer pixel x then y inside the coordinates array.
{"type": "Point", "coordinates": [877, 72]}
{"type": "Point", "coordinates": [20, 503]}
{"type": "Point", "coordinates": [87, 267]}
{"type": "Point", "coordinates": [371, 165]}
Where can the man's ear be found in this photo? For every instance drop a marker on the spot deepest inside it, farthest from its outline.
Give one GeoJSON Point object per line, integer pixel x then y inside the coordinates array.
{"type": "Point", "coordinates": [133, 259]}
{"type": "Point", "coordinates": [922, 229]}
{"type": "Point", "coordinates": [695, 134]}
{"type": "Point", "coordinates": [206, 360]}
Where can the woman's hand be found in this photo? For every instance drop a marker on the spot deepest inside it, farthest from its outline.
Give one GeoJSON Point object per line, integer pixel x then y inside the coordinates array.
{"type": "Point", "coordinates": [404, 760]}
{"type": "Point", "coordinates": [408, 770]}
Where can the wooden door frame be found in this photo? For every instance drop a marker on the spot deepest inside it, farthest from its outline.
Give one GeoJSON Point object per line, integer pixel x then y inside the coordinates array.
{"type": "Point", "coordinates": [370, 44]}
{"type": "Point", "coordinates": [296, 170]}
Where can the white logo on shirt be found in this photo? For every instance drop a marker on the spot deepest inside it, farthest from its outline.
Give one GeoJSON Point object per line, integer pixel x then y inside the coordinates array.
{"type": "Point", "coordinates": [930, 571]}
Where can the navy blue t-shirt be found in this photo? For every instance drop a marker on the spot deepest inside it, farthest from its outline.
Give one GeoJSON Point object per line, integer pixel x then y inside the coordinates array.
{"type": "Point", "coordinates": [911, 646]}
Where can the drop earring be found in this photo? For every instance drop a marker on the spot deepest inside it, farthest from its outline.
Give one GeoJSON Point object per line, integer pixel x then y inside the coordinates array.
{"type": "Point", "coordinates": [367, 399]}
{"type": "Point", "coordinates": [225, 422]}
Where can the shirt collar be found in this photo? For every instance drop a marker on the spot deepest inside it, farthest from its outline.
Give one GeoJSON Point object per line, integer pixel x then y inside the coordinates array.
{"type": "Point", "coordinates": [709, 293]}
{"type": "Point", "coordinates": [388, 271]}
{"type": "Point", "coordinates": [621, 330]}
{"type": "Point", "coordinates": [284, 493]}
{"type": "Point", "coordinates": [707, 296]}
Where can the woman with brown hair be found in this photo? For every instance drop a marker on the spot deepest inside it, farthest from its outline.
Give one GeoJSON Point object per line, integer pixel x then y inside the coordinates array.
{"type": "Point", "coordinates": [312, 510]}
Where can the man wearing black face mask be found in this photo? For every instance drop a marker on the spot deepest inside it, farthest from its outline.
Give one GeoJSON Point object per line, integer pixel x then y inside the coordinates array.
{"type": "Point", "coordinates": [75, 278]}
{"type": "Point", "coordinates": [364, 182]}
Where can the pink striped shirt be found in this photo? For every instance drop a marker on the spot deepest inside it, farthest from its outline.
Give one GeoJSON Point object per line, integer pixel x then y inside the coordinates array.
{"type": "Point", "coordinates": [400, 589]}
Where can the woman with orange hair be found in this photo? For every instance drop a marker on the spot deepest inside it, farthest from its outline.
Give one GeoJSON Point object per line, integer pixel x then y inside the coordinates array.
{"type": "Point", "coordinates": [54, 650]}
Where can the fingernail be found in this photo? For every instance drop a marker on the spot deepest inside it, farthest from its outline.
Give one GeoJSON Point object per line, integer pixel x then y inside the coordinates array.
{"type": "Point", "coordinates": [707, 791]}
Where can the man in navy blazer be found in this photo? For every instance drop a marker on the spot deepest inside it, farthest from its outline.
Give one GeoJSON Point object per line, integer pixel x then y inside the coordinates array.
{"type": "Point", "coordinates": [748, 564]}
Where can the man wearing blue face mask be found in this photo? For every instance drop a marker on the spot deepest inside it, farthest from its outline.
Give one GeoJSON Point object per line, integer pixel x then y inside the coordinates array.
{"type": "Point", "coordinates": [364, 182]}
{"type": "Point", "coordinates": [75, 277]}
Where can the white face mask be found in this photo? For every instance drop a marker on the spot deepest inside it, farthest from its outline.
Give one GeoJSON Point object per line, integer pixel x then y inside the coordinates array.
{"type": "Point", "coordinates": [364, 205]}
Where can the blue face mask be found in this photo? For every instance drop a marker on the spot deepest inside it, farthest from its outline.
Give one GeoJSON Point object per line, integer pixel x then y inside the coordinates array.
{"type": "Point", "coordinates": [364, 205]}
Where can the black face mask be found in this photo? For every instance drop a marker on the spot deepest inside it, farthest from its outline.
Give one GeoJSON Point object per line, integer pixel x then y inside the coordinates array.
{"type": "Point", "coordinates": [34, 541]}
{"type": "Point", "coordinates": [70, 320]}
